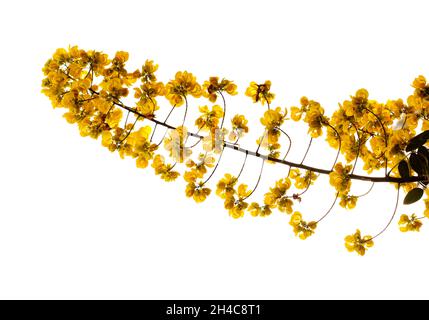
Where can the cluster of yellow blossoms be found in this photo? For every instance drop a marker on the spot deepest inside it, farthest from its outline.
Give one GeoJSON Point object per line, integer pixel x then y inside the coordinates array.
{"type": "Point", "coordinates": [260, 92]}
{"type": "Point", "coordinates": [357, 243]}
{"type": "Point", "coordinates": [411, 223]}
{"type": "Point", "coordinates": [91, 86]}
{"type": "Point", "coordinates": [239, 127]}
{"type": "Point", "coordinates": [234, 198]}
{"type": "Point", "coordinates": [301, 228]}
{"type": "Point", "coordinates": [212, 88]}
{"type": "Point", "coordinates": [339, 178]}
{"type": "Point", "coordinates": [313, 115]}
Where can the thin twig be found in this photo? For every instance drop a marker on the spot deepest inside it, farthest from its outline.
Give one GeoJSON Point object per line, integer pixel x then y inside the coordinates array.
{"type": "Point", "coordinates": [330, 209]}
{"type": "Point", "coordinates": [224, 109]}
{"type": "Point", "coordinates": [339, 144]}
{"type": "Point", "coordinates": [391, 219]}
{"type": "Point", "coordinates": [257, 183]}
{"type": "Point", "coordinates": [214, 169]}
{"type": "Point", "coordinates": [290, 142]}
{"type": "Point", "coordinates": [306, 151]}
{"type": "Point", "coordinates": [242, 167]}
{"type": "Point", "coordinates": [367, 192]}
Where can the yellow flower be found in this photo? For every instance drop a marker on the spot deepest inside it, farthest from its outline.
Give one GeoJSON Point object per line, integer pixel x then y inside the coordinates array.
{"type": "Point", "coordinates": [421, 95]}
{"type": "Point", "coordinates": [142, 148]}
{"type": "Point", "coordinates": [61, 56]}
{"type": "Point", "coordinates": [209, 119]}
{"type": "Point", "coordinates": [355, 107]}
{"type": "Point", "coordinates": [426, 201]}
{"type": "Point", "coordinates": [273, 151]}
{"type": "Point", "coordinates": [348, 202]}
{"type": "Point", "coordinates": [260, 92]}
{"type": "Point", "coordinates": [88, 127]}
{"type": "Point", "coordinates": [183, 84]}
{"type": "Point", "coordinates": [302, 180]}
{"type": "Point", "coordinates": [81, 85]}
{"type": "Point", "coordinates": [277, 197]}
{"type": "Point", "coordinates": [239, 127]}
{"type": "Point", "coordinates": [296, 113]}
{"type": "Point", "coordinates": [114, 117]}
{"type": "Point", "coordinates": [235, 206]}
{"type": "Point", "coordinates": [407, 223]}
{"type": "Point", "coordinates": [122, 56]}
{"type": "Point", "coordinates": [197, 191]}
{"type": "Point", "coordinates": [419, 82]}
{"type": "Point", "coordinates": [225, 187]}
{"type": "Point", "coordinates": [378, 145]}
{"type": "Point", "coordinates": [356, 243]}
{"type": "Point", "coordinates": [361, 95]}
{"type": "Point", "coordinates": [200, 167]}
{"type": "Point", "coordinates": [108, 141]}
{"type": "Point", "coordinates": [148, 71]}
{"type": "Point", "coordinates": [114, 87]}
{"type": "Point", "coordinates": [163, 169]}
{"type": "Point", "coordinates": [302, 229]}
{"type": "Point", "coordinates": [259, 211]}
{"type": "Point", "coordinates": [272, 121]}
{"type": "Point", "coordinates": [147, 93]}
{"type": "Point", "coordinates": [340, 178]}
{"type": "Point", "coordinates": [212, 87]}
{"type": "Point", "coordinates": [98, 60]}
{"type": "Point", "coordinates": [315, 119]}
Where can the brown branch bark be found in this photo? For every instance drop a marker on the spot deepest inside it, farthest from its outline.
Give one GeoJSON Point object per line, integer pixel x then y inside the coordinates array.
{"type": "Point", "coordinates": [280, 161]}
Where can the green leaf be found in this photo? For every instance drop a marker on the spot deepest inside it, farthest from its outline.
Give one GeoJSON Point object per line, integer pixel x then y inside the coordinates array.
{"type": "Point", "coordinates": [413, 196]}
{"type": "Point", "coordinates": [418, 163]}
{"type": "Point", "coordinates": [404, 170]}
{"type": "Point", "coordinates": [423, 151]}
{"type": "Point", "coordinates": [417, 141]}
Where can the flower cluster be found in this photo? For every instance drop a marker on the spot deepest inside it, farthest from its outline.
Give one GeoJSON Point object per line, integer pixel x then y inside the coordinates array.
{"type": "Point", "coordinates": [357, 243]}
{"type": "Point", "coordinates": [164, 170]}
{"type": "Point", "coordinates": [236, 203]}
{"type": "Point", "coordinates": [209, 119]}
{"type": "Point", "coordinates": [213, 87]}
{"type": "Point", "coordinates": [272, 120]}
{"type": "Point", "coordinates": [195, 189]}
{"type": "Point", "coordinates": [302, 229]}
{"type": "Point", "coordinates": [277, 197]}
{"type": "Point", "coordinates": [302, 179]}
{"type": "Point", "coordinates": [260, 92]}
{"type": "Point", "coordinates": [239, 127]}
{"type": "Point", "coordinates": [313, 116]}
{"type": "Point", "coordinates": [91, 87]}
{"type": "Point", "coordinates": [149, 90]}
{"type": "Point", "coordinates": [339, 178]}
{"type": "Point", "coordinates": [183, 84]}
{"type": "Point", "coordinates": [409, 223]}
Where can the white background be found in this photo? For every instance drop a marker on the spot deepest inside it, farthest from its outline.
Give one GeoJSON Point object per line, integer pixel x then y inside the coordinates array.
{"type": "Point", "coordinates": [78, 222]}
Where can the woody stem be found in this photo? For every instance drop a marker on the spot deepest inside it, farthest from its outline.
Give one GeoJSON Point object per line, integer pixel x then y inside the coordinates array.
{"type": "Point", "coordinates": [280, 161]}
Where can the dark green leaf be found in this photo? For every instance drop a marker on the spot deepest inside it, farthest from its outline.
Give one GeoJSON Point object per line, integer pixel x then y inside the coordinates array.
{"type": "Point", "coordinates": [417, 141]}
{"type": "Point", "coordinates": [413, 196]}
{"type": "Point", "coordinates": [424, 152]}
{"type": "Point", "coordinates": [418, 163]}
{"type": "Point", "coordinates": [404, 170]}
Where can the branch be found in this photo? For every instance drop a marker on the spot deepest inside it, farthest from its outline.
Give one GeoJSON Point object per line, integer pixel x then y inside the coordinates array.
{"type": "Point", "coordinates": [280, 161]}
